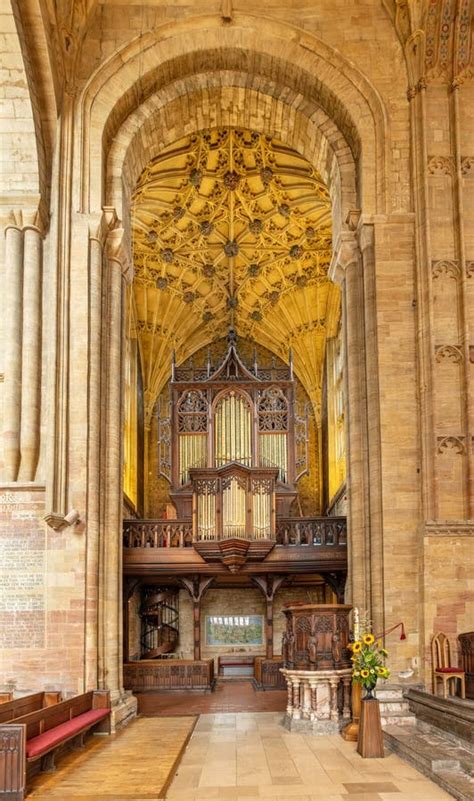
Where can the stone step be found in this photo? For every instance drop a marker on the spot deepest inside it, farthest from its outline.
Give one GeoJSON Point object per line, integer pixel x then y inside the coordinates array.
{"type": "Point", "coordinates": [444, 762]}
{"type": "Point", "coordinates": [394, 706]}
{"type": "Point", "coordinates": [388, 694]}
{"type": "Point", "coordinates": [398, 719]}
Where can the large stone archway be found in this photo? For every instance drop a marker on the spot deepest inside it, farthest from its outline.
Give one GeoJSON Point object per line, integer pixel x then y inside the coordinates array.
{"type": "Point", "coordinates": [128, 112]}
{"type": "Point", "coordinates": [393, 172]}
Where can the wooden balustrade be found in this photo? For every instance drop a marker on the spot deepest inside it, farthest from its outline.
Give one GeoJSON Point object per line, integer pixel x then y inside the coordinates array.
{"type": "Point", "coordinates": [314, 531]}
{"type": "Point", "coordinates": [311, 531]}
{"type": "Point", "coordinates": [157, 533]}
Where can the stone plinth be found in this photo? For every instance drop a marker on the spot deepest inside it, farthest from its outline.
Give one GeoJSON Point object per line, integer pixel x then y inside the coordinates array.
{"type": "Point", "coordinates": [318, 700]}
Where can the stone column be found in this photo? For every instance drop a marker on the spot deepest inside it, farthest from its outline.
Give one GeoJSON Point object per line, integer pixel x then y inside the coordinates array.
{"type": "Point", "coordinates": [12, 310]}
{"type": "Point", "coordinates": [289, 701]}
{"type": "Point", "coordinates": [94, 451]}
{"type": "Point", "coordinates": [334, 683]}
{"type": "Point", "coordinates": [296, 698]}
{"type": "Point", "coordinates": [113, 562]}
{"type": "Point", "coordinates": [346, 270]}
{"type": "Point", "coordinates": [346, 712]}
{"type": "Point", "coordinates": [31, 355]}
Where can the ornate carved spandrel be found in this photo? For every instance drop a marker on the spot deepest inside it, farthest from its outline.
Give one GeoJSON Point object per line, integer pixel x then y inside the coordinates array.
{"type": "Point", "coordinates": [451, 444]}
{"type": "Point", "coordinates": [445, 267]}
{"type": "Point", "coordinates": [272, 410]}
{"type": "Point", "coordinates": [449, 353]}
{"type": "Point", "coordinates": [193, 413]}
{"type": "Point", "coordinates": [441, 165]}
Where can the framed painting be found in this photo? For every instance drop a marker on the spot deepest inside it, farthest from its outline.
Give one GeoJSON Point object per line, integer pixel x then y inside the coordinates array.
{"type": "Point", "coordinates": [234, 630]}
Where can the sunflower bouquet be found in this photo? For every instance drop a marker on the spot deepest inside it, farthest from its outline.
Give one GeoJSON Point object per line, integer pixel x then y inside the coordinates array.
{"type": "Point", "coordinates": [368, 661]}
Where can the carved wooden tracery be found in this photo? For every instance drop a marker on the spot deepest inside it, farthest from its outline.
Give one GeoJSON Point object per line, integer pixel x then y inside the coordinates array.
{"type": "Point", "coordinates": [234, 414]}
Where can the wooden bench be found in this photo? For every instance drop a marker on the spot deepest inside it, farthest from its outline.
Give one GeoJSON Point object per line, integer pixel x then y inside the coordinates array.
{"type": "Point", "coordinates": [30, 742]}
{"type": "Point", "coordinates": [16, 708]}
{"type": "Point", "coordinates": [6, 697]}
{"type": "Point", "coordinates": [236, 665]}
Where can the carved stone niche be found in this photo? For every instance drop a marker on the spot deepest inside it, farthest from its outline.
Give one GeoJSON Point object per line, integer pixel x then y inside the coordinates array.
{"type": "Point", "coordinates": [316, 637]}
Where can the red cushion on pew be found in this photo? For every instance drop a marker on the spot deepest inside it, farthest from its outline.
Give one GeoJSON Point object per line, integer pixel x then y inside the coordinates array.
{"type": "Point", "coordinates": [449, 670]}
{"type": "Point", "coordinates": [43, 742]}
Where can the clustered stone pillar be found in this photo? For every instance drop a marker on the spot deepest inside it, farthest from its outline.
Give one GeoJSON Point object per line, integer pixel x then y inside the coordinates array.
{"type": "Point", "coordinates": [22, 332]}
{"type": "Point", "coordinates": [13, 337]}
{"type": "Point", "coordinates": [31, 364]}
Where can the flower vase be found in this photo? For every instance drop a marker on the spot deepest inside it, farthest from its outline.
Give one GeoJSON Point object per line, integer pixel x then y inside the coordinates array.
{"type": "Point", "coordinates": [369, 693]}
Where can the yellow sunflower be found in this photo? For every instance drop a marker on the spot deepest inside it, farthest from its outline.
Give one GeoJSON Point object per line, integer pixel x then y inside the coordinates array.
{"type": "Point", "coordinates": [364, 673]}
{"type": "Point", "coordinates": [368, 639]}
{"type": "Point", "coordinates": [357, 647]}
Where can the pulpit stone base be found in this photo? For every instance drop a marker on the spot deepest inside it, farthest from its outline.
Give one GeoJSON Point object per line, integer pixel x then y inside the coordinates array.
{"type": "Point", "coordinates": [318, 700]}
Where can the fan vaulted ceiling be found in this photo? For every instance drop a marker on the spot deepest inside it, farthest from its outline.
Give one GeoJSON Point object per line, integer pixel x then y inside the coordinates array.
{"type": "Point", "coordinates": [231, 228]}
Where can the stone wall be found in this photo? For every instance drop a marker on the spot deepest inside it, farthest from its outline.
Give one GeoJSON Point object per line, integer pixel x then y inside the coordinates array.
{"type": "Point", "coordinates": [41, 598]}
{"type": "Point", "coordinates": [449, 596]}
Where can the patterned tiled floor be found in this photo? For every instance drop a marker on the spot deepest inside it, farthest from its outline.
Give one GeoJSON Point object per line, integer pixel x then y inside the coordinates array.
{"type": "Point", "coordinates": [250, 756]}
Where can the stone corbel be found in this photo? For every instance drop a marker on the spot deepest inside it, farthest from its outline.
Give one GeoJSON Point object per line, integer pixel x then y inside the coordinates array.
{"type": "Point", "coordinates": [116, 251]}
{"type": "Point", "coordinates": [59, 522]}
{"type": "Point", "coordinates": [415, 58]}
{"type": "Point", "coordinates": [346, 252]}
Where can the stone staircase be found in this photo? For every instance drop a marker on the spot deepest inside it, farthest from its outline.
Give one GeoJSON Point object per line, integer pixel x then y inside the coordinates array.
{"type": "Point", "coordinates": [436, 756]}
{"type": "Point", "coordinates": [394, 708]}
{"type": "Point", "coordinates": [443, 752]}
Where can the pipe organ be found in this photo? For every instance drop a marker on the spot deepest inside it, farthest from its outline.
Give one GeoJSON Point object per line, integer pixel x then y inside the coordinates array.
{"type": "Point", "coordinates": [233, 446]}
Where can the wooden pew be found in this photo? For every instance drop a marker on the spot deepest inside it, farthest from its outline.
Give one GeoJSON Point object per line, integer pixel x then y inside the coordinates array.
{"type": "Point", "coordinates": [29, 703]}
{"type": "Point", "coordinates": [31, 741]}
{"type": "Point", "coordinates": [6, 697]}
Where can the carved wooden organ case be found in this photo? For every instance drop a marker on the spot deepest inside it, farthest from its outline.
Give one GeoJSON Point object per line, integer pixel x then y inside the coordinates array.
{"type": "Point", "coordinates": [233, 465]}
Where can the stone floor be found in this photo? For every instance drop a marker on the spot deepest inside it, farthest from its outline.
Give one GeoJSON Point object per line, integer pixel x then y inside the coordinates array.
{"type": "Point", "coordinates": [240, 756]}
{"type": "Point", "coordinates": [250, 756]}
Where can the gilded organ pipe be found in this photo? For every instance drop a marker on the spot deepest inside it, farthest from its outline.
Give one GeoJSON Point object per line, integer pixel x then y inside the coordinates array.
{"type": "Point", "coordinates": [273, 453]}
{"type": "Point", "coordinates": [192, 453]}
{"type": "Point", "coordinates": [233, 431]}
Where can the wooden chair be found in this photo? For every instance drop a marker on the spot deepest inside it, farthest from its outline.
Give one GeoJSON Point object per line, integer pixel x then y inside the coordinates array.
{"type": "Point", "coordinates": [442, 667]}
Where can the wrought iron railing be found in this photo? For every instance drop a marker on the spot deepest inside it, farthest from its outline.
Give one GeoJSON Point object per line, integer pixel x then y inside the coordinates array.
{"type": "Point", "coordinates": [314, 531]}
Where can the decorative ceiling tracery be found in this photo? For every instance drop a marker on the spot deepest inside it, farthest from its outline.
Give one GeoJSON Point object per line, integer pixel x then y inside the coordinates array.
{"type": "Point", "coordinates": [231, 229]}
